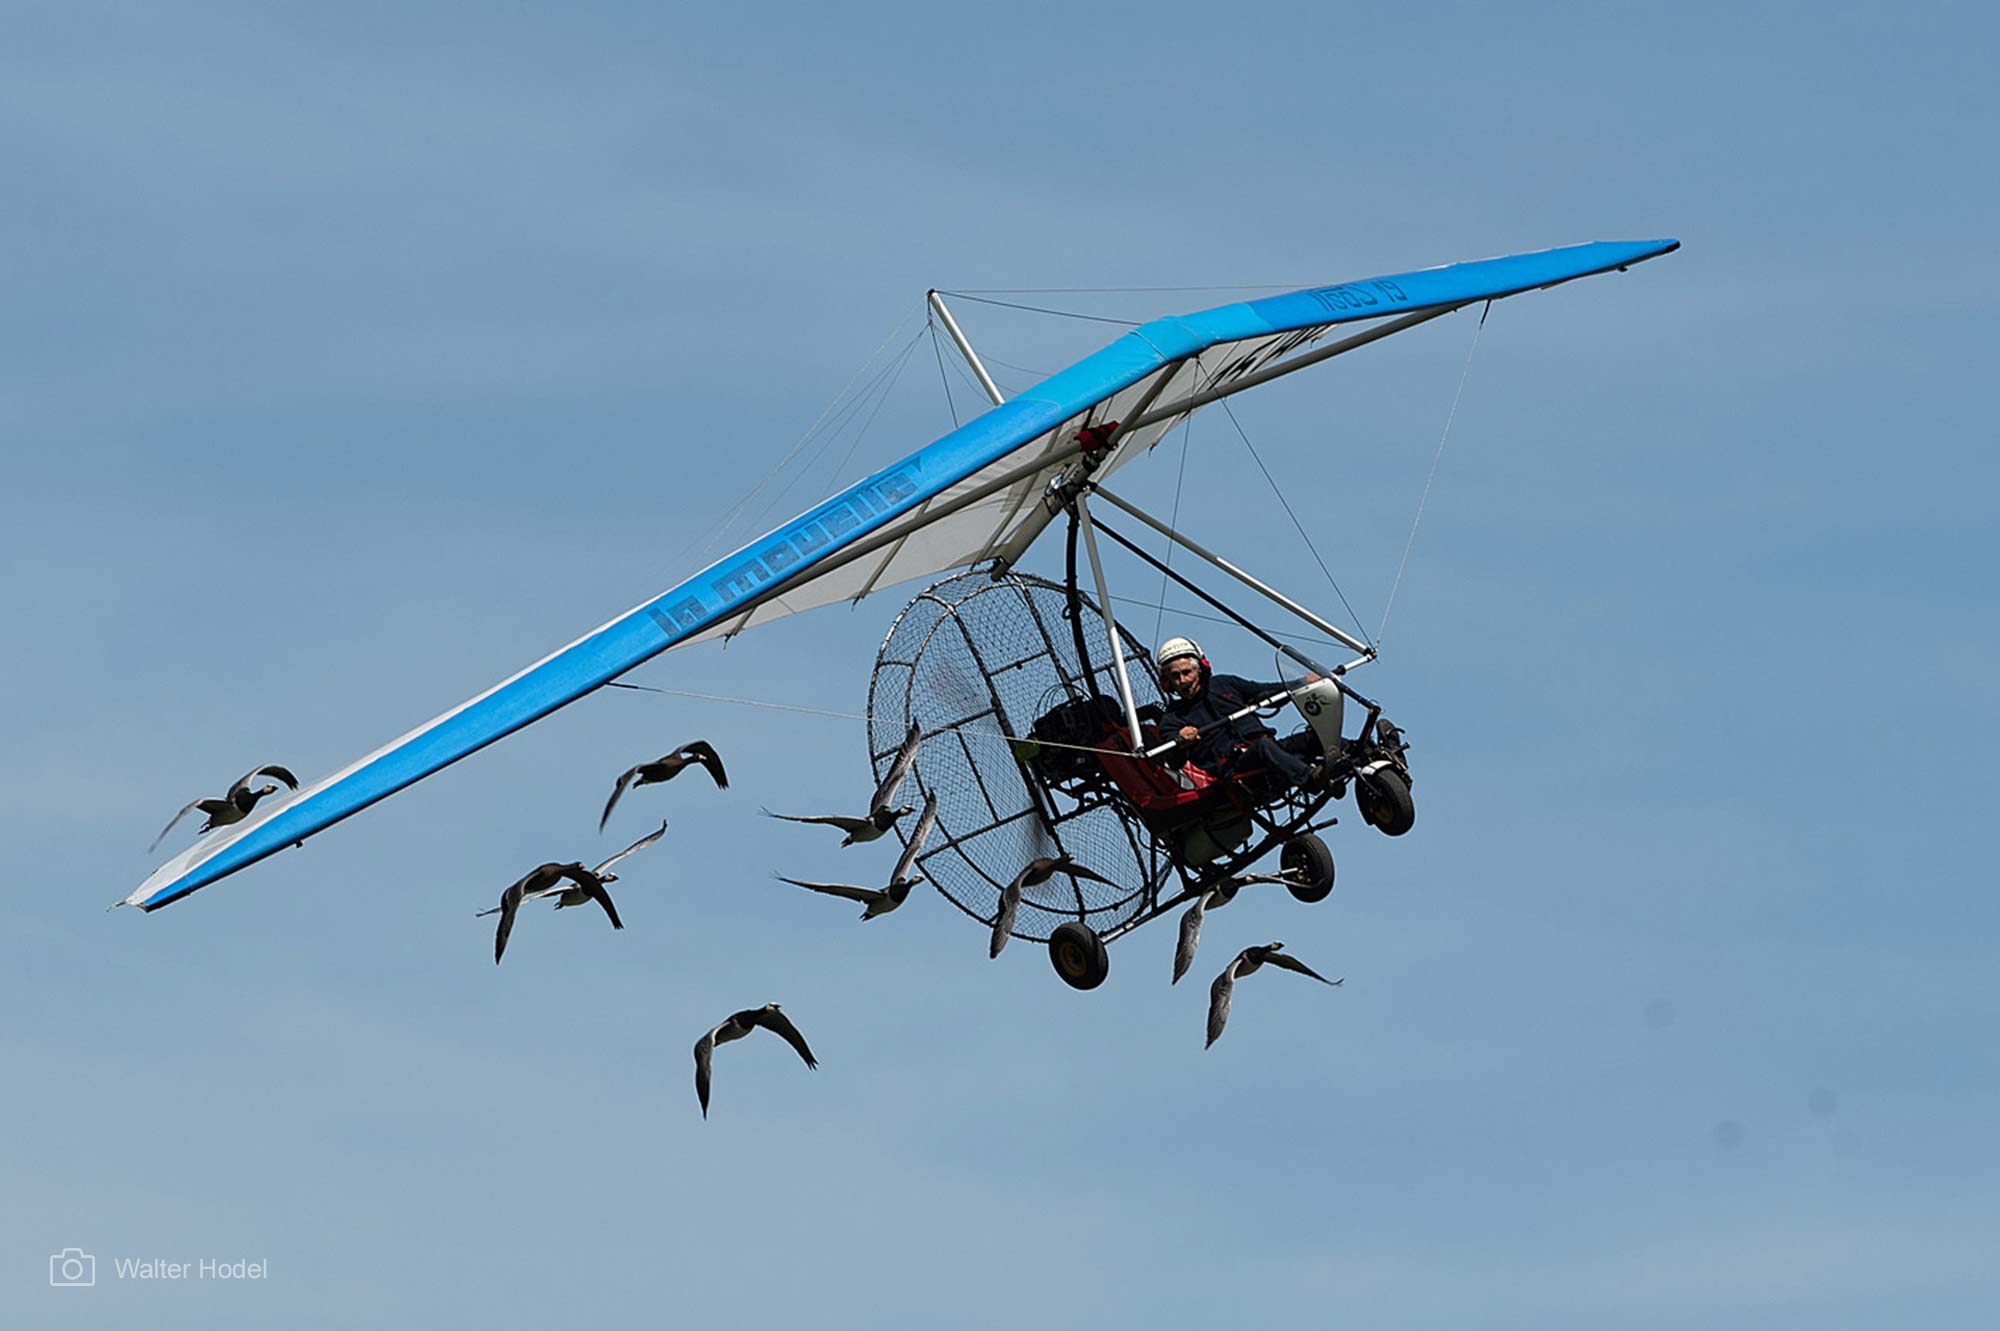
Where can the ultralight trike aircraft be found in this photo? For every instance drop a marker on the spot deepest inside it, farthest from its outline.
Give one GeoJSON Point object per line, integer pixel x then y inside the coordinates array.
{"type": "Point", "coordinates": [1038, 725]}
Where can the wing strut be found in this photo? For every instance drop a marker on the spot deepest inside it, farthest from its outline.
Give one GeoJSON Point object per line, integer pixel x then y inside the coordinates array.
{"type": "Point", "coordinates": [1279, 598]}
{"type": "Point", "coordinates": [964, 347]}
{"type": "Point", "coordinates": [1104, 600]}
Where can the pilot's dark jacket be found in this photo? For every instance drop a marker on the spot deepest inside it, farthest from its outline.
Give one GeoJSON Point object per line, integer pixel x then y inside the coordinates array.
{"type": "Point", "coordinates": [1224, 694]}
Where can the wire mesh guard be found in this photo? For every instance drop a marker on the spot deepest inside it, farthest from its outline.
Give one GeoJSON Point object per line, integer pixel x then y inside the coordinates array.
{"type": "Point", "coordinates": [973, 661]}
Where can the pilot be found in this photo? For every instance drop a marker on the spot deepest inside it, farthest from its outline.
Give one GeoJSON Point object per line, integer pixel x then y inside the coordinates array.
{"type": "Point", "coordinates": [1197, 702]}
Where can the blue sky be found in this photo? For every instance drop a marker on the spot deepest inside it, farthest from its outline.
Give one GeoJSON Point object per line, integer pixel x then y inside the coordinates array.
{"type": "Point", "coordinates": [352, 359]}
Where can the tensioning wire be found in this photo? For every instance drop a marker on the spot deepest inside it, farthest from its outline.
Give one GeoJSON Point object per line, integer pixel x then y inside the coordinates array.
{"type": "Point", "coordinates": [1435, 459]}
{"type": "Point", "coordinates": [1037, 309]}
{"type": "Point", "coordinates": [962, 728]}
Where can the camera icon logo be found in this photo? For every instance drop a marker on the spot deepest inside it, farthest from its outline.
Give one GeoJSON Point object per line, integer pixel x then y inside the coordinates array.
{"type": "Point", "coordinates": [73, 1267]}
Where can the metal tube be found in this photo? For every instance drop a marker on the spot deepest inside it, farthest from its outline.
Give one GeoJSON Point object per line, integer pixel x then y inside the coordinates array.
{"type": "Point", "coordinates": [1276, 699]}
{"type": "Point", "coordinates": [1279, 598]}
{"type": "Point", "coordinates": [1110, 624]}
{"type": "Point", "coordinates": [1270, 372]}
{"type": "Point", "coordinates": [964, 348]}
{"type": "Point", "coordinates": [1026, 534]}
{"type": "Point", "coordinates": [1217, 604]}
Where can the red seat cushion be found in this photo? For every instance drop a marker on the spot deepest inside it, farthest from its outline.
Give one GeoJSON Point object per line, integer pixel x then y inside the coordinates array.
{"type": "Point", "coordinates": [1154, 787]}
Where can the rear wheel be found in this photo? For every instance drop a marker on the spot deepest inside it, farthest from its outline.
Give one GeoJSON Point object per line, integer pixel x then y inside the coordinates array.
{"type": "Point", "coordinates": [1384, 799]}
{"type": "Point", "coordinates": [1078, 955]}
{"type": "Point", "coordinates": [1306, 860]}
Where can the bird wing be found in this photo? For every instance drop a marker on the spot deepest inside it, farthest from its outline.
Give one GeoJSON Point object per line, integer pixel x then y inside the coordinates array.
{"type": "Point", "coordinates": [703, 752]}
{"type": "Point", "coordinates": [510, 902]}
{"type": "Point", "coordinates": [779, 1024]}
{"type": "Point", "coordinates": [191, 807]}
{"type": "Point", "coordinates": [861, 894]}
{"type": "Point", "coordinates": [841, 821]}
{"type": "Point", "coordinates": [594, 888]}
{"type": "Point", "coordinates": [1289, 962]}
{"type": "Point", "coordinates": [1219, 994]}
{"type": "Point", "coordinates": [1075, 870]}
{"type": "Point", "coordinates": [617, 793]}
{"type": "Point", "coordinates": [242, 783]}
{"type": "Point", "coordinates": [906, 758]}
{"type": "Point", "coordinates": [636, 846]}
{"type": "Point", "coordinates": [925, 821]}
{"type": "Point", "coordinates": [602, 896]}
{"type": "Point", "coordinates": [704, 1064]}
{"type": "Point", "coordinates": [1190, 937]}
{"type": "Point", "coordinates": [1281, 880]}
{"type": "Point", "coordinates": [1003, 919]}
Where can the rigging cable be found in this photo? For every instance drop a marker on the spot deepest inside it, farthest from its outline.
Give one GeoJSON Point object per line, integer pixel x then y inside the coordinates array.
{"type": "Point", "coordinates": [1183, 612]}
{"type": "Point", "coordinates": [1160, 610]}
{"type": "Point", "coordinates": [931, 323]}
{"type": "Point", "coordinates": [833, 479]}
{"type": "Point", "coordinates": [707, 538]}
{"type": "Point", "coordinates": [1244, 436]}
{"type": "Point", "coordinates": [878, 388]}
{"type": "Point", "coordinates": [1437, 458]}
{"type": "Point", "coordinates": [1037, 309]}
{"type": "Point", "coordinates": [1112, 291]}
{"type": "Point", "coordinates": [961, 727]}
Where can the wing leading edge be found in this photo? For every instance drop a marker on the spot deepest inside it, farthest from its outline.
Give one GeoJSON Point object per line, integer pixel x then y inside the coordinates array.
{"type": "Point", "coordinates": [967, 496]}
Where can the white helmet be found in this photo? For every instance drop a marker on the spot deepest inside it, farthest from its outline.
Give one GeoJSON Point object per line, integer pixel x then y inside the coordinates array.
{"type": "Point", "coordinates": [1175, 648]}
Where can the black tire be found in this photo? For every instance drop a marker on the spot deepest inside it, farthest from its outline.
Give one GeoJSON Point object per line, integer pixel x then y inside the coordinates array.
{"type": "Point", "coordinates": [1078, 955]}
{"type": "Point", "coordinates": [1306, 858]}
{"type": "Point", "coordinates": [1384, 800]}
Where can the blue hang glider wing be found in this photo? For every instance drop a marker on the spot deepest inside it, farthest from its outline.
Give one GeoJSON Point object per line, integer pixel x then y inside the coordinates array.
{"type": "Point", "coordinates": [973, 495]}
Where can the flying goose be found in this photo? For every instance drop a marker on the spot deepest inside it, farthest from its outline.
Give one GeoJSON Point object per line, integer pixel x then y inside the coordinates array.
{"type": "Point", "coordinates": [882, 900]}
{"type": "Point", "coordinates": [1248, 960]}
{"type": "Point", "coordinates": [881, 815]}
{"type": "Point", "coordinates": [1221, 894]}
{"type": "Point", "coordinates": [545, 880]}
{"type": "Point", "coordinates": [696, 752]}
{"type": "Point", "coordinates": [233, 807]}
{"type": "Point", "coordinates": [1039, 871]}
{"type": "Point", "coordinates": [736, 1027]}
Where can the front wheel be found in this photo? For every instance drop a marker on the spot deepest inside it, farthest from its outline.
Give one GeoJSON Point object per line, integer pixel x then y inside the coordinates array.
{"type": "Point", "coordinates": [1307, 861]}
{"type": "Point", "coordinates": [1078, 955]}
{"type": "Point", "coordinates": [1384, 800]}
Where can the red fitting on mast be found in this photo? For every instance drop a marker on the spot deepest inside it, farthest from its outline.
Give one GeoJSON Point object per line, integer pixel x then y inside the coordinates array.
{"type": "Point", "coordinates": [1096, 438]}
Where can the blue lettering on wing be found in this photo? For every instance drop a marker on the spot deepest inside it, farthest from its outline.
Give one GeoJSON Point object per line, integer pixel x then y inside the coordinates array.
{"type": "Point", "coordinates": [787, 551]}
{"type": "Point", "coordinates": [1341, 298]}
{"type": "Point", "coordinates": [682, 614]}
{"type": "Point", "coordinates": [838, 521]}
{"type": "Point", "coordinates": [746, 577]}
{"type": "Point", "coordinates": [896, 488]}
{"type": "Point", "coordinates": [780, 556]}
{"type": "Point", "coordinates": [810, 539]}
